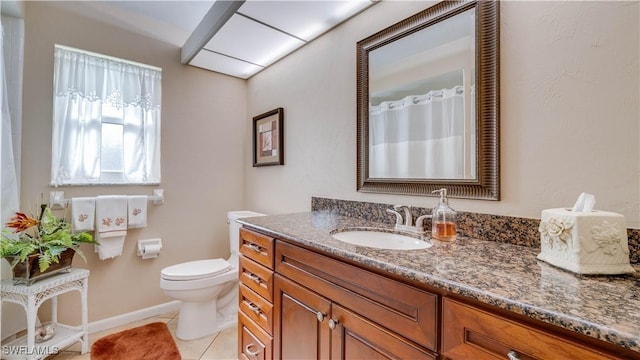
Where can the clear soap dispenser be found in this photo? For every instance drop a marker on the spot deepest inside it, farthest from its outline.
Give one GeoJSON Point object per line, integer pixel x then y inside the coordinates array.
{"type": "Point", "coordinates": [444, 219]}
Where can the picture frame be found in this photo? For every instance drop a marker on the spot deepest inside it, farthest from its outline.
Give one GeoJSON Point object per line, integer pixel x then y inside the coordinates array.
{"type": "Point", "coordinates": [268, 138]}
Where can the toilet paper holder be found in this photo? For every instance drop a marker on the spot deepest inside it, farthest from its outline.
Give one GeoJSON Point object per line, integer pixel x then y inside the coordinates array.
{"type": "Point", "coordinates": [149, 248]}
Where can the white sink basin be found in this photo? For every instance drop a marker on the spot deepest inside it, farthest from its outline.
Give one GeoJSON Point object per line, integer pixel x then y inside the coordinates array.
{"type": "Point", "coordinates": [381, 240]}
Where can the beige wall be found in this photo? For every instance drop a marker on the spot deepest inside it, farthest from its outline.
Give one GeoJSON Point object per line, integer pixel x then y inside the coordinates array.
{"type": "Point", "coordinates": [203, 119]}
{"type": "Point", "coordinates": [569, 112]}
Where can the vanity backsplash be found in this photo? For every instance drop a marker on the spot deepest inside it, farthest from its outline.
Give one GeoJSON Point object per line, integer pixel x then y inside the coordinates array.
{"type": "Point", "coordinates": [506, 229]}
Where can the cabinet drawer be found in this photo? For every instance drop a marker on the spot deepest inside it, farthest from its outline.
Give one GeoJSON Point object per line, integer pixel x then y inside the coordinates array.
{"type": "Point", "coordinates": [256, 308]}
{"type": "Point", "coordinates": [257, 247]}
{"type": "Point", "coordinates": [257, 277]}
{"type": "Point", "coordinates": [472, 333]}
{"type": "Point", "coordinates": [355, 337]}
{"type": "Point", "coordinates": [406, 310]}
{"type": "Point", "coordinates": [253, 342]}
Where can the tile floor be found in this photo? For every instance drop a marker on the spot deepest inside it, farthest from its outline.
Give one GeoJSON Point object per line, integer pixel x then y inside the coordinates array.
{"type": "Point", "coordinates": [220, 346]}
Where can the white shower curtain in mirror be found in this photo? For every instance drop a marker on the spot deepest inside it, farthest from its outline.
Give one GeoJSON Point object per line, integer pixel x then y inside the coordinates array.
{"type": "Point", "coordinates": [419, 136]}
{"type": "Point", "coordinates": [84, 85]}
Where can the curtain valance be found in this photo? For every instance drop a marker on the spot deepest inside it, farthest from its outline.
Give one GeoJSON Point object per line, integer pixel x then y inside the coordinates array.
{"type": "Point", "coordinates": [95, 77]}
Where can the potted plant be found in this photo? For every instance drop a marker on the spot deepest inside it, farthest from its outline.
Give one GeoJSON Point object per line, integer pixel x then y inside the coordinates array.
{"type": "Point", "coordinates": [37, 247]}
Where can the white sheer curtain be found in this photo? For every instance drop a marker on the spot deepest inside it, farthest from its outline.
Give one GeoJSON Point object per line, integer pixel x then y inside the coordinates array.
{"type": "Point", "coordinates": [11, 55]}
{"type": "Point", "coordinates": [86, 87]}
{"type": "Point", "coordinates": [402, 144]}
{"type": "Point", "coordinates": [9, 199]}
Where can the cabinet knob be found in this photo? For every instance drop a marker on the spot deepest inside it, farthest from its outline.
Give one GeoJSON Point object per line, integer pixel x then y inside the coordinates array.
{"type": "Point", "coordinates": [254, 278]}
{"type": "Point", "coordinates": [247, 350]}
{"type": "Point", "coordinates": [513, 355]}
{"type": "Point", "coordinates": [254, 247]}
{"type": "Point", "coordinates": [255, 308]}
{"type": "Point", "coordinates": [320, 316]}
{"type": "Point", "coordinates": [333, 323]}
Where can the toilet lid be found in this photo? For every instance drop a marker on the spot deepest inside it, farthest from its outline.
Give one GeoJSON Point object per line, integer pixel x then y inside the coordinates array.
{"type": "Point", "coordinates": [194, 270]}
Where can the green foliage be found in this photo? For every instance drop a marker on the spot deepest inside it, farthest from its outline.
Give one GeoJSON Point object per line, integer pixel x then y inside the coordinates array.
{"type": "Point", "coordinates": [51, 237]}
{"type": "Point", "coordinates": [13, 246]}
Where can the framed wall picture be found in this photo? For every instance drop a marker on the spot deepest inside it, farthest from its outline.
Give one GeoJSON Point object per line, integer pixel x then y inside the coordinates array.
{"type": "Point", "coordinates": [268, 138]}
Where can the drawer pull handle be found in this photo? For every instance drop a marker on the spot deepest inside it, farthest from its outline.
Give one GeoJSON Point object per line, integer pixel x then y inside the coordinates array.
{"type": "Point", "coordinates": [247, 350]}
{"type": "Point", "coordinates": [254, 247]}
{"type": "Point", "coordinates": [253, 307]}
{"type": "Point", "coordinates": [512, 355]}
{"type": "Point", "coordinates": [333, 323]}
{"type": "Point", "coordinates": [254, 278]}
{"type": "Point", "coordinates": [320, 316]}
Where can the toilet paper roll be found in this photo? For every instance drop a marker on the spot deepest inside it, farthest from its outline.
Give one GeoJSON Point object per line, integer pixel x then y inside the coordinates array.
{"type": "Point", "coordinates": [151, 251]}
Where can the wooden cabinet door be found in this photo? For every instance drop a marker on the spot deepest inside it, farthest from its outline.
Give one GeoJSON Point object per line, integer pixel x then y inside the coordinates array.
{"type": "Point", "coordinates": [301, 330]}
{"type": "Point", "coordinates": [473, 333]}
{"type": "Point", "coordinates": [354, 337]}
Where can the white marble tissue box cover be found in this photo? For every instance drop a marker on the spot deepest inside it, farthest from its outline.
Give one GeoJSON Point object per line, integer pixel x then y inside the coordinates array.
{"type": "Point", "coordinates": [592, 242]}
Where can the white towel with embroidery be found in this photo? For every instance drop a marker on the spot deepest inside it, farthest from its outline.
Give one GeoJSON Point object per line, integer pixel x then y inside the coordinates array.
{"type": "Point", "coordinates": [83, 212]}
{"type": "Point", "coordinates": [111, 226]}
{"type": "Point", "coordinates": [137, 205]}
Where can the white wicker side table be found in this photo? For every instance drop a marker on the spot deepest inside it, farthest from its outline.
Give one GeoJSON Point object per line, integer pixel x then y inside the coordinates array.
{"type": "Point", "coordinates": [31, 297]}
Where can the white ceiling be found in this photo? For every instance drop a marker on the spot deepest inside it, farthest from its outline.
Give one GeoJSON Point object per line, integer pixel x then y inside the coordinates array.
{"type": "Point", "coordinates": [185, 15]}
{"type": "Point", "coordinates": [253, 35]}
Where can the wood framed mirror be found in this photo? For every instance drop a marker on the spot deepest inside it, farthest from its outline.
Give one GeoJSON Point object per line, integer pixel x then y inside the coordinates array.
{"type": "Point", "coordinates": [428, 103]}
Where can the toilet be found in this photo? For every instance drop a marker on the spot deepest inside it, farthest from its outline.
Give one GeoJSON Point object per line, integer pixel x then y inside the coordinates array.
{"type": "Point", "coordinates": [207, 289]}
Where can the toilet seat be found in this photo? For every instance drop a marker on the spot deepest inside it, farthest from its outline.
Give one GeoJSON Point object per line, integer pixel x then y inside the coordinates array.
{"type": "Point", "coordinates": [195, 270]}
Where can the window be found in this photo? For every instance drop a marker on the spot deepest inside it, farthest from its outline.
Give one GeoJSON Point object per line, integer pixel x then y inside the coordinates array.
{"type": "Point", "coordinates": [106, 120]}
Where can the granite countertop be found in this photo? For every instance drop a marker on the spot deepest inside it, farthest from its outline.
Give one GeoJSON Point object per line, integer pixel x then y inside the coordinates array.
{"type": "Point", "coordinates": [504, 275]}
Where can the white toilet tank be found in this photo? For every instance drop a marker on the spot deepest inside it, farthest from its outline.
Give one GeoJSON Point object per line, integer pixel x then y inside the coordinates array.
{"type": "Point", "coordinates": [234, 229]}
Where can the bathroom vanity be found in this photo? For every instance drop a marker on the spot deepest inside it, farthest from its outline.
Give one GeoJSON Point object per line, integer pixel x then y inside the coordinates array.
{"type": "Point", "coordinates": [304, 294]}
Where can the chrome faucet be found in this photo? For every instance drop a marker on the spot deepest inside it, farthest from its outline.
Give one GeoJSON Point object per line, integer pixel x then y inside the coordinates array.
{"type": "Point", "coordinates": [420, 223]}
{"type": "Point", "coordinates": [399, 219]}
{"type": "Point", "coordinates": [408, 218]}
{"type": "Point", "coordinates": [405, 223]}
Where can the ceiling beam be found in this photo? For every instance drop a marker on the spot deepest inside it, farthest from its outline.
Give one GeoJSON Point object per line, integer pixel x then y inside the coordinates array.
{"type": "Point", "coordinates": [220, 12]}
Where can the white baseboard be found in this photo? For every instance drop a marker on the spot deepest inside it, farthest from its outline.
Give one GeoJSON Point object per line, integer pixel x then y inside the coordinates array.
{"type": "Point", "coordinates": [137, 315]}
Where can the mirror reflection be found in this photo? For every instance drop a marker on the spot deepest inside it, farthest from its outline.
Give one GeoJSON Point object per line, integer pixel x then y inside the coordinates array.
{"type": "Point", "coordinates": [421, 113]}
{"type": "Point", "coordinates": [421, 117]}
{"type": "Point", "coordinates": [427, 91]}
